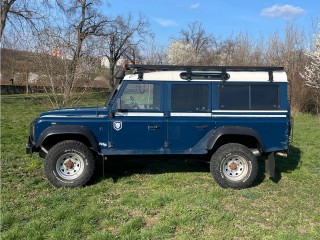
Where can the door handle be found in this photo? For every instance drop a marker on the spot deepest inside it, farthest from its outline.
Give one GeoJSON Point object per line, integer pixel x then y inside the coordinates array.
{"type": "Point", "coordinates": [202, 126]}
{"type": "Point", "coordinates": [153, 127]}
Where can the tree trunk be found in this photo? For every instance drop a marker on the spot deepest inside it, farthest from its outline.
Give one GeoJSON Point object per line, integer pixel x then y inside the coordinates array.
{"type": "Point", "coordinates": [4, 14]}
{"type": "Point", "coordinates": [111, 72]}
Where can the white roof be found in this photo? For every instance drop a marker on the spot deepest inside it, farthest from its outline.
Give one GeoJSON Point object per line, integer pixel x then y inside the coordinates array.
{"type": "Point", "coordinates": [235, 76]}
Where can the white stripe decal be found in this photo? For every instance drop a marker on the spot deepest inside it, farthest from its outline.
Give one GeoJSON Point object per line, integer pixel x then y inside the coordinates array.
{"type": "Point", "coordinates": [54, 116]}
{"type": "Point", "coordinates": [248, 116]}
{"type": "Point", "coordinates": [138, 114]}
{"type": "Point", "coordinates": [73, 116]}
{"type": "Point", "coordinates": [249, 111]}
{"type": "Point", "coordinates": [190, 114]}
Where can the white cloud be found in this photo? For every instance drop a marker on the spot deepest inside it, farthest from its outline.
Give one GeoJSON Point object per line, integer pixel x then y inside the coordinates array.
{"type": "Point", "coordinates": [195, 6]}
{"type": "Point", "coordinates": [284, 11]}
{"type": "Point", "coordinates": [166, 22]}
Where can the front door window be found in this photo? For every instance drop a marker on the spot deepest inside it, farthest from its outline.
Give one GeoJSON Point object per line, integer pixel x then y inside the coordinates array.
{"type": "Point", "coordinates": [142, 96]}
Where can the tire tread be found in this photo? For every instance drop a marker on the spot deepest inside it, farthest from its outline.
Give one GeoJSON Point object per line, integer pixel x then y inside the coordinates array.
{"type": "Point", "coordinates": [216, 161]}
{"type": "Point", "coordinates": [53, 154]}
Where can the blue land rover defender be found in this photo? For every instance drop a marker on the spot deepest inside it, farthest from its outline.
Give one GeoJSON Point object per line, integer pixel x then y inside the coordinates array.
{"type": "Point", "coordinates": [232, 114]}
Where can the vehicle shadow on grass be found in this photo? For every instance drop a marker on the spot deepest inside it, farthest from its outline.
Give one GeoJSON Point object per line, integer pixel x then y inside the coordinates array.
{"type": "Point", "coordinates": [124, 166]}
{"type": "Point", "coordinates": [283, 165]}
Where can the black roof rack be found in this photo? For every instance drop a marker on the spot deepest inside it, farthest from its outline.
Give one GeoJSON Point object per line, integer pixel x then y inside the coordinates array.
{"type": "Point", "coordinates": [202, 68]}
{"type": "Point", "coordinates": [142, 68]}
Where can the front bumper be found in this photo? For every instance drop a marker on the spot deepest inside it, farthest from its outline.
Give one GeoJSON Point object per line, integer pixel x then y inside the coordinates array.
{"type": "Point", "coordinates": [30, 146]}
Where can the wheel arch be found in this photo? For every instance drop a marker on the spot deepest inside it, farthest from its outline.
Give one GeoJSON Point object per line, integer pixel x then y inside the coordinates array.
{"type": "Point", "coordinates": [236, 134]}
{"type": "Point", "coordinates": [56, 133]}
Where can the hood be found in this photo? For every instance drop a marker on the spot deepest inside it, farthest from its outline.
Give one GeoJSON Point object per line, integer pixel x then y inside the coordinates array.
{"type": "Point", "coordinates": [77, 112]}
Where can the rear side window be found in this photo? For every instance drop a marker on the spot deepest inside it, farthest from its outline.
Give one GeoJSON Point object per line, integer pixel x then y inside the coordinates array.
{"type": "Point", "coordinates": [264, 97]}
{"type": "Point", "coordinates": [189, 97]}
{"type": "Point", "coordinates": [234, 97]}
{"type": "Point", "coordinates": [249, 97]}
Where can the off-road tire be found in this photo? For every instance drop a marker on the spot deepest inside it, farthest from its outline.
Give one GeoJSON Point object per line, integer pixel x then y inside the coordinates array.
{"type": "Point", "coordinates": [234, 166]}
{"type": "Point", "coordinates": [69, 164]}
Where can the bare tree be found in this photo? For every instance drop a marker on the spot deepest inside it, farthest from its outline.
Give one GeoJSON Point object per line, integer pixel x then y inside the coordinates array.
{"type": "Point", "coordinates": [244, 50]}
{"type": "Point", "coordinates": [195, 40]}
{"type": "Point", "coordinates": [16, 12]}
{"type": "Point", "coordinates": [84, 21]}
{"type": "Point", "coordinates": [274, 50]}
{"type": "Point", "coordinates": [133, 54]}
{"type": "Point", "coordinates": [197, 37]}
{"type": "Point", "coordinates": [293, 46]}
{"type": "Point", "coordinates": [240, 50]}
{"type": "Point", "coordinates": [54, 66]}
{"type": "Point", "coordinates": [123, 36]}
{"type": "Point", "coordinates": [63, 47]}
{"type": "Point", "coordinates": [154, 53]}
{"type": "Point", "coordinates": [223, 53]}
{"type": "Point", "coordinates": [294, 61]}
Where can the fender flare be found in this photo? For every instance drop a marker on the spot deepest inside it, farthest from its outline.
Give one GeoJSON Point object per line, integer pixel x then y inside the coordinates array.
{"type": "Point", "coordinates": [69, 129]}
{"type": "Point", "coordinates": [233, 130]}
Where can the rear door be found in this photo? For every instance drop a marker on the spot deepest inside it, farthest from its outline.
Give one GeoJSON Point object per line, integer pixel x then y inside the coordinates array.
{"type": "Point", "coordinates": [189, 116]}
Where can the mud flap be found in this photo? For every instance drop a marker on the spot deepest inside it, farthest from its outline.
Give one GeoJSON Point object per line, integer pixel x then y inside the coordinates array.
{"type": "Point", "coordinates": [270, 165]}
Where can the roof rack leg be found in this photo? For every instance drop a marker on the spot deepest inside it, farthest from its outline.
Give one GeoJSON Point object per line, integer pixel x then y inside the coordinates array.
{"type": "Point", "coordinates": [140, 73]}
{"type": "Point", "coordinates": [270, 72]}
{"type": "Point", "coordinates": [224, 74]}
{"type": "Point", "coordinates": [189, 74]}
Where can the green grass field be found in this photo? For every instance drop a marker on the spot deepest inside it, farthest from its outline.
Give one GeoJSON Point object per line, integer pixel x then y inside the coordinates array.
{"type": "Point", "coordinates": [154, 198]}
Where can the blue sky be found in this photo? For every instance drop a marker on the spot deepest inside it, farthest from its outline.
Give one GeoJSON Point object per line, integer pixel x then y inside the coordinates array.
{"type": "Point", "coordinates": [222, 18]}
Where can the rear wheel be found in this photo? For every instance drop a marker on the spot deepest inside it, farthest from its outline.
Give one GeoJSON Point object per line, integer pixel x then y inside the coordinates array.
{"type": "Point", "coordinates": [69, 164]}
{"type": "Point", "coordinates": [234, 165]}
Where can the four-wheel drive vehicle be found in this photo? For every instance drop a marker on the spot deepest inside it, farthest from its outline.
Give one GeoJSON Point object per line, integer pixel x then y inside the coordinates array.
{"type": "Point", "coordinates": [232, 114]}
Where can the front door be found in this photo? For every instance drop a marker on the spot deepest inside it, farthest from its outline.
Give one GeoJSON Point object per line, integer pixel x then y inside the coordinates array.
{"type": "Point", "coordinates": [139, 123]}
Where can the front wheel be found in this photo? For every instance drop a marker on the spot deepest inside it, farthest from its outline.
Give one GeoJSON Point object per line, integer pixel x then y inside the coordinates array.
{"type": "Point", "coordinates": [234, 165]}
{"type": "Point", "coordinates": [69, 164]}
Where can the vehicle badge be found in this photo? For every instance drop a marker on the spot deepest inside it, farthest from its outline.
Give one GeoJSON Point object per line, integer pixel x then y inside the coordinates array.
{"type": "Point", "coordinates": [117, 125]}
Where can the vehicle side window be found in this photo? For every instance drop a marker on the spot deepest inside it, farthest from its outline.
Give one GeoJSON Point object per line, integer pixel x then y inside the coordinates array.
{"type": "Point", "coordinates": [189, 97]}
{"type": "Point", "coordinates": [249, 97]}
{"type": "Point", "coordinates": [234, 97]}
{"type": "Point", "coordinates": [141, 96]}
{"type": "Point", "coordinates": [264, 97]}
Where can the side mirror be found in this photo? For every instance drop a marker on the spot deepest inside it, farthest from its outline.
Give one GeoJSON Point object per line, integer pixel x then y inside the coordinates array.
{"type": "Point", "coordinates": [119, 104]}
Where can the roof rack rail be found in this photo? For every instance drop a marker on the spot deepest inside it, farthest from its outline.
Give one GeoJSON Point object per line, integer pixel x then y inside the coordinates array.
{"type": "Point", "coordinates": [142, 68]}
{"type": "Point", "coordinates": [202, 68]}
